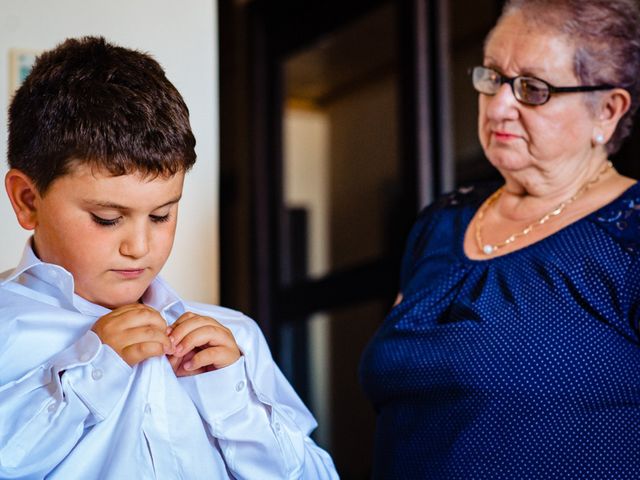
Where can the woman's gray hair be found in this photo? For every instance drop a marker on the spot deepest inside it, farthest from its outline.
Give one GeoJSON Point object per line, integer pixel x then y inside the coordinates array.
{"type": "Point", "coordinates": [606, 34]}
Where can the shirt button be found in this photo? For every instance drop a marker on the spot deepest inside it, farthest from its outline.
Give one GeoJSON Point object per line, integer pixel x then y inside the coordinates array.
{"type": "Point", "coordinates": [85, 357]}
{"type": "Point", "coordinates": [276, 426]}
{"type": "Point", "coordinates": [52, 407]}
{"type": "Point", "coordinates": [147, 409]}
{"type": "Point", "coordinates": [239, 385]}
{"type": "Point", "coordinates": [96, 374]}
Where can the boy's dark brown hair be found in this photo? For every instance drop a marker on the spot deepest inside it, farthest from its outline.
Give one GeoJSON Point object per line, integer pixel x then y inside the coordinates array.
{"type": "Point", "coordinates": [92, 102]}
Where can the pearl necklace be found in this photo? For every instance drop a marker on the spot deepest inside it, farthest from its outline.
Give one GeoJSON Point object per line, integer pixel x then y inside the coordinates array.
{"type": "Point", "coordinates": [489, 249]}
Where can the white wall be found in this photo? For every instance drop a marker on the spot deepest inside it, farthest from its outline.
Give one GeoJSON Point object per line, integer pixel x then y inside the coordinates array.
{"type": "Point", "coordinates": [182, 37]}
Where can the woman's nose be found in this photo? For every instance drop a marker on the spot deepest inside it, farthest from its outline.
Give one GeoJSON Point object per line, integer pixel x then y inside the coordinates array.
{"type": "Point", "coordinates": [502, 105]}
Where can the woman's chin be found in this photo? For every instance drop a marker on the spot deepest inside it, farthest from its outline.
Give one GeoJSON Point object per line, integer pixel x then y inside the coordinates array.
{"type": "Point", "coordinates": [508, 163]}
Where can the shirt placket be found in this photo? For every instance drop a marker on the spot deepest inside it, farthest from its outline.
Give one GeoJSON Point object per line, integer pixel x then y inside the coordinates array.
{"type": "Point", "coordinates": [156, 424]}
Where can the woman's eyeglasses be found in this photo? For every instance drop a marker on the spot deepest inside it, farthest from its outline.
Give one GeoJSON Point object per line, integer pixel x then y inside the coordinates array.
{"type": "Point", "coordinates": [527, 90]}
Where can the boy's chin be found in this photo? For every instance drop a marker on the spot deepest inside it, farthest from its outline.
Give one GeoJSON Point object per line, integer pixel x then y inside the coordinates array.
{"type": "Point", "coordinates": [117, 300]}
{"type": "Point", "coordinates": [116, 305]}
{"type": "Point", "coordinates": [113, 305]}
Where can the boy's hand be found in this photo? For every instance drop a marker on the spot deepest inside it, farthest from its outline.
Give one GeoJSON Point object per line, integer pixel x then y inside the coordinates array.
{"type": "Point", "coordinates": [201, 345]}
{"type": "Point", "coordinates": [135, 332]}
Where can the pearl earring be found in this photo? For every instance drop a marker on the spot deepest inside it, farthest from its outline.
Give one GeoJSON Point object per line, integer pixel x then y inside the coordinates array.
{"type": "Point", "coordinates": [600, 139]}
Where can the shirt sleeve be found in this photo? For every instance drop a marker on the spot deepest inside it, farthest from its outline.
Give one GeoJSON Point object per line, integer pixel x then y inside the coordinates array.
{"type": "Point", "coordinates": [261, 425]}
{"type": "Point", "coordinates": [44, 413]}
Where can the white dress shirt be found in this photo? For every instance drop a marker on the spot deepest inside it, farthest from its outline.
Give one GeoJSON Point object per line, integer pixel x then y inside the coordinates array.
{"type": "Point", "coordinates": [71, 408]}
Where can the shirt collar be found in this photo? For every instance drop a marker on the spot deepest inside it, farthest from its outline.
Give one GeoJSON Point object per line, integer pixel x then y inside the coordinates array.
{"type": "Point", "coordinates": [159, 295]}
{"type": "Point", "coordinates": [27, 261]}
{"type": "Point", "coordinates": [53, 275]}
{"type": "Point", "coordinates": [163, 298]}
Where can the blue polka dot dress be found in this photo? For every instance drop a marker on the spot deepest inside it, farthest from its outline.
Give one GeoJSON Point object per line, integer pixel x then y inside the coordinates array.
{"type": "Point", "coordinates": [524, 366]}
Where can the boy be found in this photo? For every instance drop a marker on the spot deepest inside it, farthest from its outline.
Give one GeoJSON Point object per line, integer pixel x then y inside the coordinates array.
{"type": "Point", "coordinates": [105, 373]}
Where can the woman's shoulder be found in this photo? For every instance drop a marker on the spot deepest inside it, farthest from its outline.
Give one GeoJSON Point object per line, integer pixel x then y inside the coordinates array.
{"type": "Point", "coordinates": [441, 225]}
{"type": "Point", "coordinates": [621, 219]}
{"type": "Point", "coordinates": [465, 198]}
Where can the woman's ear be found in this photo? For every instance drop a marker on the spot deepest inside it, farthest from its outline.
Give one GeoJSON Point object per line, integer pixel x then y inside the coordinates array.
{"type": "Point", "coordinates": [614, 104]}
{"type": "Point", "coordinates": [22, 195]}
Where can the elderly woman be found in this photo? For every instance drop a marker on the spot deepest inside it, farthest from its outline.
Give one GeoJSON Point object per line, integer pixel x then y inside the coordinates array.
{"type": "Point", "coordinates": [514, 349]}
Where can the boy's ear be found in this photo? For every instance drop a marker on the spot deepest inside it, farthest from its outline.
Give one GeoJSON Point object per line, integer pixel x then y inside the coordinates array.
{"type": "Point", "coordinates": [22, 194]}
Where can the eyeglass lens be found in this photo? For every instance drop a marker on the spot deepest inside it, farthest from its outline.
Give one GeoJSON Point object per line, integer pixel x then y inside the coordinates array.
{"type": "Point", "coordinates": [527, 90]}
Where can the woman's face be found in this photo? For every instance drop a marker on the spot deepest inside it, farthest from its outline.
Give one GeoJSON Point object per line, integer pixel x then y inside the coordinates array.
{"type": "Point", "coordinates": [520, 140]}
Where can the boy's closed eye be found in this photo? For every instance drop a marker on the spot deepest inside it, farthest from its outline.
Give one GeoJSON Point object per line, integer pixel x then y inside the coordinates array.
{"type": "Point", "coordinates": [106, 222]}
{"type": "Point", "coordinates": [111, 222]}
{"type": "Point", "coordinates": [160, 218]}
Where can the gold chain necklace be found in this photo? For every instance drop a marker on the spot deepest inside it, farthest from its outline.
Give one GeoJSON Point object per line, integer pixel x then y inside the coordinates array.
{"type": "Point", "coordinates": [489, 249]}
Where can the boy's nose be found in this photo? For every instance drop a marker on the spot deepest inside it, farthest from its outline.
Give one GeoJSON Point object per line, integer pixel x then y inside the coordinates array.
{"type": "Point", "coordinates": [135, 244]}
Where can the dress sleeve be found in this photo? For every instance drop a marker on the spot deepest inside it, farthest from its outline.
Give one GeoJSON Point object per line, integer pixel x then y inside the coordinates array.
{"type": "Point", "coordinates": [439, 227]}
{"type": "Point", "coordinates": [44, 413]}
{"type": "Point", "coordinates": [260, 423]}
{"type": "Point", "coordinates": [415, 244]}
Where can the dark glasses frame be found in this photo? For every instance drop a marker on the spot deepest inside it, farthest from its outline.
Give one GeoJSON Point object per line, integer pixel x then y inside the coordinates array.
{"type": "Point", "coordinates": [479, 72]}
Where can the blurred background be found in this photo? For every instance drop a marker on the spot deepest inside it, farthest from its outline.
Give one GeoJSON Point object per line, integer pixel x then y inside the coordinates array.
{"type": "Point", "coordinates": [323, 127]}
{"type": "Point", "coordinates": [339, 122]}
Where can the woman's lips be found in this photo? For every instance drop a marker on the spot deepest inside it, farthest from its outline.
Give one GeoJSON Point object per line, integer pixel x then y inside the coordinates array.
{"type": "Point", "coordinates": [504, 136]}
{"type": "Point", "coordinates": [129, 273]}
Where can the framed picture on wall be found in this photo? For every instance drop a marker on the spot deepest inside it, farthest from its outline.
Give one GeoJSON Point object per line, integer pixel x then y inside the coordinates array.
{"type": "Point", "coordinates": [20, 63]}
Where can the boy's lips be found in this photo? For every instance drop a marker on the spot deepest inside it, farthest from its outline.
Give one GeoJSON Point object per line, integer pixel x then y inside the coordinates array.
{"type": "Point", "coordinates": [129, 272]}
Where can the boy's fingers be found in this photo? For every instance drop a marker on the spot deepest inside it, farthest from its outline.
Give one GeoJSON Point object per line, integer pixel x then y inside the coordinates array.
{"type": "Point", "coordinates": [184, 317]}
{"type": "Point", "coordinates": [206, 334]}
{"type": "Point", "coordinates": [179, 332]}
{"type": "Point", "coordinates": [182, 372]}
{"type": "Point", "coordinates": [128, 308]}
{"type": "Point", "coordinates": [131, 316]}
{"type": "Point", "coordinates": [147, 316]}
{"type": "Point", "coordinates": [210, 357]}
{"type": "Point", "coordinates": [174, 362]}
{"type": "Point", "coordinates": [189, 373]}
{"type": "Point", "coordinates": [134, 311]}
{"type": "Point", "coordinates": [190, 315]}
{"type": "Point", "coordinates": [181, 327]}
{"type": "Point", "coordinates": [144, 334]}
{"type": "Point", "coordinates": [193, 369]}
{"type": "Point", "coordinates": [134, 354]}
{"type": "Point", "coordinates": [188, 356]}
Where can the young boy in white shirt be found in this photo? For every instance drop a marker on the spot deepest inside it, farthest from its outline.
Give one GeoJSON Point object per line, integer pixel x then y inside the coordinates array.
{"type": "Point", "coordinates": [105, 373]}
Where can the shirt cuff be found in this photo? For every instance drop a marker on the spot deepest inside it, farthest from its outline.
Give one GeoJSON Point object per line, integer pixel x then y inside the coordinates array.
{"type": "Point", "coordinates": [220, 393]}
{"type": "Point", "coordinates": [95, 372]}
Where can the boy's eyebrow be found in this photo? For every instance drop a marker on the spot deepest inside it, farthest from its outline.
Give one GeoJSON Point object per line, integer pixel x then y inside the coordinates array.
{"type": "Point", "coordinates": [117, 206]}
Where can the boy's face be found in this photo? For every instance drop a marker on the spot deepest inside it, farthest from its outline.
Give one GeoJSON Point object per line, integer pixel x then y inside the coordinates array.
{"type": "Point", "coordinates": [114, 234]}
